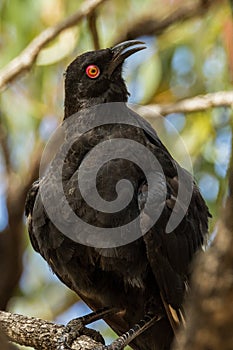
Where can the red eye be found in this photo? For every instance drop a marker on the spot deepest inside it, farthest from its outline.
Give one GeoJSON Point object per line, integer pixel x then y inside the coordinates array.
{"type": "Point", "coordinates": [92, 71]}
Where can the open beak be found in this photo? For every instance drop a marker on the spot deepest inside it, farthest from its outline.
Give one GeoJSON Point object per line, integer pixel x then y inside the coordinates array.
{"type": "Point", "coordinates": [122, 51]}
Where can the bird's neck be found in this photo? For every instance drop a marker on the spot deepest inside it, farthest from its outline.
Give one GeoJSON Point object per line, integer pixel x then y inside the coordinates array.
{"type": "Point", "coordinates": [75, 104]}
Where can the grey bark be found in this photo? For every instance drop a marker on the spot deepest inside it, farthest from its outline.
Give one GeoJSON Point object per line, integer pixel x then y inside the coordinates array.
{"type": "Point", "coordinates": [40, 334]}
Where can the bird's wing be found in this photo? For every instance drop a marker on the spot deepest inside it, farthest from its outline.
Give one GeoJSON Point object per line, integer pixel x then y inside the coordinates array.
{"type": "Point", "coordinates": [170, 254]}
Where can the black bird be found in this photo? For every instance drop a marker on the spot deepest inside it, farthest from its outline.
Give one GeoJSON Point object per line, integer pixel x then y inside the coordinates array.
{"type": "Point", "coordinates": [146, 278]}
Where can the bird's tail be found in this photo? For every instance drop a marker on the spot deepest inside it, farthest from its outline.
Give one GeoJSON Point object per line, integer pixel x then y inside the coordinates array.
{"type": "Point", "coordinates": [176, 317]}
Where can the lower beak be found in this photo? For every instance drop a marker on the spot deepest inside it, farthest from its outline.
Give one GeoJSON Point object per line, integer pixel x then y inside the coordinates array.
{"type": "Point", "coordinates": [124, 50]}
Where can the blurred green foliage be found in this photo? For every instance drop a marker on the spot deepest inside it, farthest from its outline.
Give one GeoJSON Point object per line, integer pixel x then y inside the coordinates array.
{"type": "Point", "coordinates": [189, 58]}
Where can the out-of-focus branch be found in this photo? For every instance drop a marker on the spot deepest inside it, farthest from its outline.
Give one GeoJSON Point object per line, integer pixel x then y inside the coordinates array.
{"type": "Point", "coordinates": [151, 25]}
{"type": "Point", "coordinates": [189, 105]}
{"type": "Point", "coordinates": [11, 243]}
{"type": "Point", "coordinates": [25, 60]}
{"type": "Point", "coordinates": [40, 334]}
{"type": "Point", "coordinates": [210, 314]}
{"type": "Point", "coordinates": [92, 19]}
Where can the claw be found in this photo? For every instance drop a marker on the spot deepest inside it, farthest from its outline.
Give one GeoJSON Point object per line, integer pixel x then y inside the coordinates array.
{"type": "Point", "coordinates": [76, 327]}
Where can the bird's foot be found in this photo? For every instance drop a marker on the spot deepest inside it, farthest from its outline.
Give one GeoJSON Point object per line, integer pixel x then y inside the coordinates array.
{"type": "Point", "coordinates": [120, 343]}
{"type": "Point", "coordinates": [77, 327]}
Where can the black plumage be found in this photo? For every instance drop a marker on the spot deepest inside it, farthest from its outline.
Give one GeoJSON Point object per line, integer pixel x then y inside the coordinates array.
{"type": "Point", "coordinates": [150, 274]}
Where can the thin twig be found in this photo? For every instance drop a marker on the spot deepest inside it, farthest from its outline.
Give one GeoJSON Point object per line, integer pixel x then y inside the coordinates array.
{"type": "Point", "coordinates": [151, 25]}
{"type": "Point", "coordinates": [40, 334]}
{"type": "Point", "coordinates": [4, 144]}
{"type": "Point", "coordinates": [93, 29]}
{"type": "Point", "coordinates": [189, 105]}
{"type": "Point", "coordinates": [25, 60]}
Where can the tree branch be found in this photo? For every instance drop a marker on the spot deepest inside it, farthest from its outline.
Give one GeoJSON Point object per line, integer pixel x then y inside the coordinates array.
{"type": "Point", "coordinates": [189, 105]}
{"type": "Point", "coordinates": [150, 25]}
{"type": "Point", "coordinates": [25, 60]}
{"type": "Point", "coordinates": [40, 334]}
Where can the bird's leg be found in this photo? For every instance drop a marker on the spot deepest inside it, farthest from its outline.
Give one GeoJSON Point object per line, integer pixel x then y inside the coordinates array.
{"type": "Point", "coordinates": [77, 326]}
{"type": "Point", "coordinates": [127, 337]}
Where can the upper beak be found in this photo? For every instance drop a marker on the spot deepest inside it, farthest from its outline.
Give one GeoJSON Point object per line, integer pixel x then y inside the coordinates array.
{"type": "Point", "coordinates": [120, 53]}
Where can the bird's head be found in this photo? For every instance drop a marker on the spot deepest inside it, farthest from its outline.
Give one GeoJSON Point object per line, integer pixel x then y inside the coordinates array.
{"type": "Point", "coordinates": [95, 77]}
